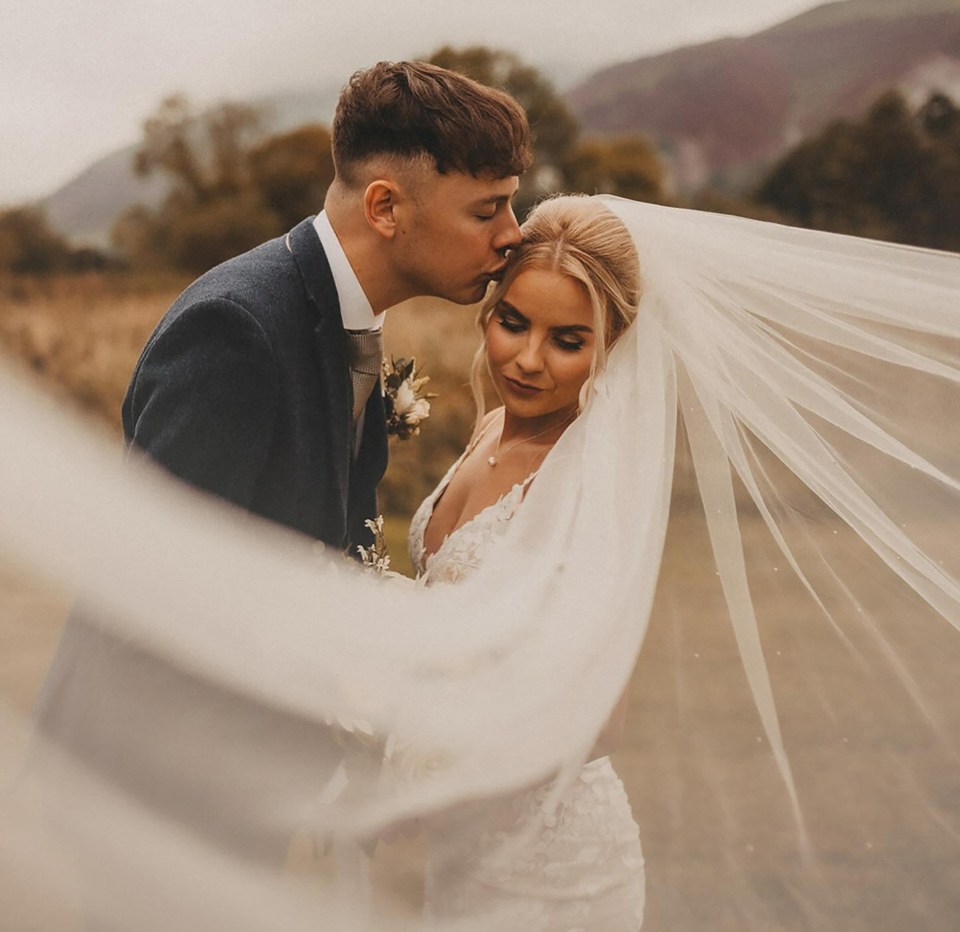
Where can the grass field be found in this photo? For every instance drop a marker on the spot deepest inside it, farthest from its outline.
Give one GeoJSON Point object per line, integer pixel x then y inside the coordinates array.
{"type": "Point", "coordinates": [81, 336]}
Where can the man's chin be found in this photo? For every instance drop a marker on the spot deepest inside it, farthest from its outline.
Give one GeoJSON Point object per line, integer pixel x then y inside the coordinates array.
{"type": "Point", "coordinates": [478, 293]}
{"type": "Point", "coordinates": [473, 294]}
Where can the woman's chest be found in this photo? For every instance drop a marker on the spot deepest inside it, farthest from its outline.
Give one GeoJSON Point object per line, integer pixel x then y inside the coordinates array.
{"type": "Point", "coordinates": [473, 489]}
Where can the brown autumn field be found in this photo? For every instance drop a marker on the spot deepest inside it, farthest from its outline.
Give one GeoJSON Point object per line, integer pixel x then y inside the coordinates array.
{"type": "Point", "coordinates": [721, 845]}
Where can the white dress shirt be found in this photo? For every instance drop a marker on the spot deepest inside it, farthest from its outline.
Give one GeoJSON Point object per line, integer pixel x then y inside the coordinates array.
{"type": "Point", "coordinates": [355, 307]}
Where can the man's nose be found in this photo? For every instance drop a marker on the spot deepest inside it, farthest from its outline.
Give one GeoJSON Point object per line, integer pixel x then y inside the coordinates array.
{"type": "Point", "coordinates": [508, 237]}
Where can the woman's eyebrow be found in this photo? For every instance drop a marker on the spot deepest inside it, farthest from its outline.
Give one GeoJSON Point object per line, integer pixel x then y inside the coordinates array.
{"type": "Point", "coordinates": [505, 306]}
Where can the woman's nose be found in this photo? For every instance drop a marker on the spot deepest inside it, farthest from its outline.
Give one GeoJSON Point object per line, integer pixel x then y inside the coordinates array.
{"type": "Point", "coordinates": [530, 357]}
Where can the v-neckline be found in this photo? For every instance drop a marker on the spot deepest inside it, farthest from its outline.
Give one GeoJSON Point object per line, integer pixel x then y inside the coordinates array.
{"type": "Point", "coordinates": [450, 535]}
{"type": "Point", "coordinates": [439, 491]}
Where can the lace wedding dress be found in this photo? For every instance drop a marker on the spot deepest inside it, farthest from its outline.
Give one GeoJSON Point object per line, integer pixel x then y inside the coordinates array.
{"type": "Point", "coordinates": [530, 860]}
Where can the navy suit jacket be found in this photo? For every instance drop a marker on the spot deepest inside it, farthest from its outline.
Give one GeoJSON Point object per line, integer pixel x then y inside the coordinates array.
{"type": "Point", "coordinates": [243, 391]}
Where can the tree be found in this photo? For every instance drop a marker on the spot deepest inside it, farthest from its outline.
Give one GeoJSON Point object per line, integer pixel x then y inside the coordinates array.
{"type": "Point", "coordinates": [555, 130]}
{"type": "Point", "coordinates": [213, 210]}
{"type": "Point", "coordinates": [893, 174]}
{"type": "Point", "coordinates": [940, 119]}
{"type": "Point", "coordinates": [624, 165]}
{"type": "Point", "coordinates": [230, 189]}
{"type": "Point", "coordinates": [28, 246]}
{"type": "Point", "coordinates": [563, 161]}
{"type": "Point", "coordinates": [205, 157]}
{"type": "Point", "coordinates": [292, 171]}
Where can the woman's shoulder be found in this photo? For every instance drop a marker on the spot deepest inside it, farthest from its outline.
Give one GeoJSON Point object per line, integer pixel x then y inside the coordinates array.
{"type": "Point", "coordinates": [481, 430]}
{"type": "Point", "coordinates": [489, 418]}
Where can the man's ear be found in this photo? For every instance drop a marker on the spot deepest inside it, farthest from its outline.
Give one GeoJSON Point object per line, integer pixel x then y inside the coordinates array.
{"type": "Point", "coordinates": [379, 207]}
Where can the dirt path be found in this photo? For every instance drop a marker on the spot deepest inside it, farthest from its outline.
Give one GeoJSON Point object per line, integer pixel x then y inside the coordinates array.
{"type": "Point", "coordinates": [695, 744]}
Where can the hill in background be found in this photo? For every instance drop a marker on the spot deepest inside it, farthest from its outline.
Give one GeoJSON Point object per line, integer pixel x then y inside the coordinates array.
{"type": "Point", "coordinates": [722, 110]}
{"type": "Point", "coordinates": [719, 112]}
{"type": "Point", "coordinates": [86, 207]}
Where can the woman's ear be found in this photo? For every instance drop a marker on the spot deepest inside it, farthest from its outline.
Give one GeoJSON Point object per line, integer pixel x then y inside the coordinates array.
{"type": "Point", "coordinates": [379, 206]}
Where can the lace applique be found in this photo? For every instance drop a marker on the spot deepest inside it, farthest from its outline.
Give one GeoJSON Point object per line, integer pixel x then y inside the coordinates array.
{"type": "Point", "coordinates": [462, 550]}
{"type": "Point", "coordinates": [517, 861]}
{"type": "Point", "coordinates": [532, 866]}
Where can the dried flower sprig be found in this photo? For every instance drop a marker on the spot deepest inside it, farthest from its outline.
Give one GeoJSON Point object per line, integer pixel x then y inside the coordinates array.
{"type": "Point", "coordinates": [376, 556]}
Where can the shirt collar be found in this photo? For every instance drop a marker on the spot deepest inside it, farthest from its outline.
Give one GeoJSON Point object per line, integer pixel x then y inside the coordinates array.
{"type": "Point", "coordinates": [355, 309]}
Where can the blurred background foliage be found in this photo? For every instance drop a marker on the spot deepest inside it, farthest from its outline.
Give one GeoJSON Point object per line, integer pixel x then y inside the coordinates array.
{"type": "Point", "coordinates": [564, 160]}
{"type": "Point", "coordinates": [893, 173]}
{"type": "Point", "coordinates": [78, 316]}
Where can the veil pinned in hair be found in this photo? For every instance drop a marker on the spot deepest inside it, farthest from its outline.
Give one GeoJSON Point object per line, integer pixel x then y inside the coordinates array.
{"type": "Point", "coordinates": [762, 493]}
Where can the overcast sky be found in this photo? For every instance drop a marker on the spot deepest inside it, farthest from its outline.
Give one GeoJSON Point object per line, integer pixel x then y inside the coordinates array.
{"type": "Point", "coordinates": [77, 78]}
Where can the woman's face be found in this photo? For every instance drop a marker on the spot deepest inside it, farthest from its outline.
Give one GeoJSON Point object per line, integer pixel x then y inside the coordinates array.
{"type": "Point", "coordinates": [540, 343]}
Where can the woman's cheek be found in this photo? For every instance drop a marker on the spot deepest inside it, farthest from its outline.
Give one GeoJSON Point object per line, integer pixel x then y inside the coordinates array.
{"type": "Point", "coordinates": [574, 368]}
{"type": "Point", "coordinates": [498, 345]}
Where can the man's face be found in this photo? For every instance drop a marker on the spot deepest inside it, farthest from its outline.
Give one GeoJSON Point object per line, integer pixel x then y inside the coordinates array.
{"type": "Point", "coordinates": [452, 233]}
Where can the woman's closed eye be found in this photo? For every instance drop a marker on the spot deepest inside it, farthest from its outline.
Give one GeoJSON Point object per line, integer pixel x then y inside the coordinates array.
{"type": "Point", "coordinates": [514, 323]}
{"type": "Point", "coordinates": [511, 323]}
{"type": "Point", "coordinates": [568, 344]}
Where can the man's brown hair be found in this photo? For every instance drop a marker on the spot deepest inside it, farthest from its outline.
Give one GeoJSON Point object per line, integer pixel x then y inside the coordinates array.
{"type": "Point", "coordinates": [411, 109]}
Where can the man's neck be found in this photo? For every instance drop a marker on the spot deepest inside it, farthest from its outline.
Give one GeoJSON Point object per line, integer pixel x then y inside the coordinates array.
{"type": "Point", "coordinates": [365, 259]}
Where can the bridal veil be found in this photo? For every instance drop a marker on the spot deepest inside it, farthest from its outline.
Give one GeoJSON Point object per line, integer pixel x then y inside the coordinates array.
{"type": "Point", "coordinates": [753, 523]}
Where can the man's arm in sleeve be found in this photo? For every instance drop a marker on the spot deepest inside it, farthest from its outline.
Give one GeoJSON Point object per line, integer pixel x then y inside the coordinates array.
{"type": "Point", "coordinates": [204, 399]}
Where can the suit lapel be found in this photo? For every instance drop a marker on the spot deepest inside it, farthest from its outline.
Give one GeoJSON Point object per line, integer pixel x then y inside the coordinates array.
{"type": "Point", "coordinates": [372, 455]}
{"type": "Point", "coordinates": [329, 338]}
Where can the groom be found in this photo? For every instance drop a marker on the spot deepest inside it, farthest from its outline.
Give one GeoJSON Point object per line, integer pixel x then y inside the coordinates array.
{"type": "Point", "coordinates": [259, 383]}
{"type": "Point", "coordinates": [259, 386]}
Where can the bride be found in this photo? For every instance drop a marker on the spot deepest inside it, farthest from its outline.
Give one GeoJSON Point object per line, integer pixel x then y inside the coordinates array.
{"type": "Point", "coordinates": [569, 292]}
{"type": "Point", "coordinates": [793, 583]}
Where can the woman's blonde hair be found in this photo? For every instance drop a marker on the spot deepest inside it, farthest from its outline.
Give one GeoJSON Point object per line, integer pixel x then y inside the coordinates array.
{"type": "Point", "coordinates": [582, 238]}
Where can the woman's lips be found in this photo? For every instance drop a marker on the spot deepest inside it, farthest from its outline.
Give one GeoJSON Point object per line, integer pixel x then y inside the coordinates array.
{"type": "Point", "coordinates": [521, 388]}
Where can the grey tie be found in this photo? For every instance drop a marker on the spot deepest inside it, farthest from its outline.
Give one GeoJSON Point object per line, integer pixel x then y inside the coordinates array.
{"type": "Point", "coordinates": [365, 358]}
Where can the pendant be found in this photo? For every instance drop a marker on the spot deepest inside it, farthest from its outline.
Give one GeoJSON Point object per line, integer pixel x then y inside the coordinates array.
{"type": "Point", "coordinates": [492, 461]}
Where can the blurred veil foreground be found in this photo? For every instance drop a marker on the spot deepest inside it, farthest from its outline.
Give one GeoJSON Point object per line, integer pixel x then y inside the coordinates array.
{"type": "Point", "coordinates": [763, 492]}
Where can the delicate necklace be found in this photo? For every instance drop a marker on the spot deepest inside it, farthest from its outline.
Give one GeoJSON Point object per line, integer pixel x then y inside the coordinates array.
{"type": "Point", "coordinates": [494, 459]}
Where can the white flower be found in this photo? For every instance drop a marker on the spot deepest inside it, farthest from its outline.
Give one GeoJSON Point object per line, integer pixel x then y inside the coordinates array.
{"type": "Point", "coordinates": [406, 399]}
{"type": "Point", "coordinates": [418, 412]}
{"type": "Point", "coordinates": [406, 402]}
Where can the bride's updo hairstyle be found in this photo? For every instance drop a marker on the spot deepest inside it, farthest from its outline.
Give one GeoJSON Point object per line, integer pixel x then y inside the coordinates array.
{"type": "Point", "coordinates": [582, 238]}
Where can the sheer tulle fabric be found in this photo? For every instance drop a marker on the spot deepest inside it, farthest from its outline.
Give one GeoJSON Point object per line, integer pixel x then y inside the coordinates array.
{"type": "Point", "coordinates": [788, 541]}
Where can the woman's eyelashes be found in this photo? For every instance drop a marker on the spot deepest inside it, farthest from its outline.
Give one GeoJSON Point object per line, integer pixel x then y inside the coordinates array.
{"type": "Point", "coordinates": [568, 344]}
{"type": "Point", "coordinates": [562, 340]}
{"type": "Point", "coordinates": [511, 322]}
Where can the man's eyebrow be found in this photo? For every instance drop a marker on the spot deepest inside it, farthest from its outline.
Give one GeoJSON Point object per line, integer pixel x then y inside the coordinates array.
{"type": "Point", "coordinates": [494, 199]}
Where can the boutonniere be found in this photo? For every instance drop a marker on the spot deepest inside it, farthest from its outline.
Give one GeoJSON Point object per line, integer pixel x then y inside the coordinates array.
{"type": "Point", "coordinates": [407, 405]}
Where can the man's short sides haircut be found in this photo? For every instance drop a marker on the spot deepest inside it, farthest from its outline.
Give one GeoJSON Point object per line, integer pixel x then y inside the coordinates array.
{"type": "Point", "coordinates": [412, 109]}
